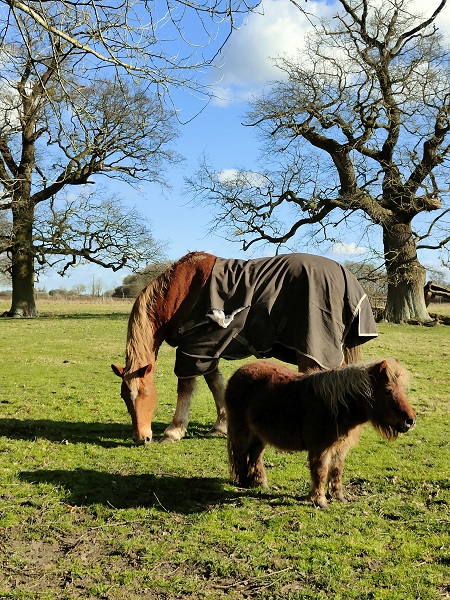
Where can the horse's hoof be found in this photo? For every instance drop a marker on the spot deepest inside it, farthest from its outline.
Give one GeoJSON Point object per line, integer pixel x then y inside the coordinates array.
{"type": "Point", "coordinates": [168, 440]}
{"type": "Point", "coordinates": [217, 433]}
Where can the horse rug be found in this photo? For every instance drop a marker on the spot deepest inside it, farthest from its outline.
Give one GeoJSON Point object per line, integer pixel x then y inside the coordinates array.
{"type": "Point", "coordinates": [274, 307]}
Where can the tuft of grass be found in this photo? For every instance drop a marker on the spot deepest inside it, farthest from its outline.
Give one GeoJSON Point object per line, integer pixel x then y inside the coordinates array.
{"type": "Point", "coordinates": [86, 514]}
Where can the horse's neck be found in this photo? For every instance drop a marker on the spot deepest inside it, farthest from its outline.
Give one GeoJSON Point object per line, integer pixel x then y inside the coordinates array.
{"type": "Point", "coordinates": [186, 282]}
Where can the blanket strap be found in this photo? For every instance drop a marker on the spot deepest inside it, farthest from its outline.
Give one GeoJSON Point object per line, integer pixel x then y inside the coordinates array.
{"type": "Point", "coordinates": [239, 338]}
{"type": "Point", "coordinates": [246, 344]}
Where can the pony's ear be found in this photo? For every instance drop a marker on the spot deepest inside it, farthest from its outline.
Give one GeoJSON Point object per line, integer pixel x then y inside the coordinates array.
{"type": "Point", "coordinates": [382, 368]}
{"type": "Point", "coordinates": [117, 370]}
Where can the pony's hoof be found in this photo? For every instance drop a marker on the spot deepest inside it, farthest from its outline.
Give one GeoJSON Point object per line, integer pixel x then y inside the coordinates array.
{"type": "Point", "coordinates": [320, 503]}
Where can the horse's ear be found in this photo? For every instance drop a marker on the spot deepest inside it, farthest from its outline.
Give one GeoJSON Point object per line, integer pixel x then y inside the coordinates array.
{"type": "Point", "coordinates": [117, 370]}
{"type": "Point", "coordinates": [143, 371]}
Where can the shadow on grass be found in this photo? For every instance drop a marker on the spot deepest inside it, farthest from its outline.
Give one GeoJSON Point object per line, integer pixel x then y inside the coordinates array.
{"type": "Point", "coordinates": [100, 434]}
{"type": "Point", "coordinates": [166, 493]}
{"type": "Point", "coordinates": [106, 435]}
{"type": "Point", "coordinates": [114, 316]}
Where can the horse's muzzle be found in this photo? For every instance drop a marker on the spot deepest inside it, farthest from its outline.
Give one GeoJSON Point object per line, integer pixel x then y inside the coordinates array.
{"type": "Point", "coordinates": [142, 441]}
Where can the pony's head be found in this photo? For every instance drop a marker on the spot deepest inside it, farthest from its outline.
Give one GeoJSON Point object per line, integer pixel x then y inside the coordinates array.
{"type": "Point", "coordinates": [139, 394]}
{"type": "Point", "coordinates": [391, 413]}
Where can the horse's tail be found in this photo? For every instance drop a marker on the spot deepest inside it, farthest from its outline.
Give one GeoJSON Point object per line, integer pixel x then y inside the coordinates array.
{"type": "Point", "coordinates": [352, 354]}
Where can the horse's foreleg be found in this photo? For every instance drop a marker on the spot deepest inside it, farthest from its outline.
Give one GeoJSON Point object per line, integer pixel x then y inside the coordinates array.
{"type": "Point", "coordinates": [216, 384]}
{"type": "Point", "coordinates": [319, 463]}
{"type": "Point", "coordinates": [178, 427]}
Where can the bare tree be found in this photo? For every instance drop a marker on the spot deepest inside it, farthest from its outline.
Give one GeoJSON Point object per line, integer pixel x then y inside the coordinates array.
{"type": "Point", "coordinates": [358, 125]}
{"type": "Point", "coordinates": [86, 90]}
{"type": "Point", "coordinates": [58, 130]}
{"type": "Point", "coordinates": [164, 42]}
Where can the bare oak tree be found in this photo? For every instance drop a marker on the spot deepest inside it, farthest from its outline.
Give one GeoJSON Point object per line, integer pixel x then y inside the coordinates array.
{"type": "Point", "coordinates": [83, 92]}
{"type": "Point", "coordinates": [57, 130]}
{"type": "Point", "coordinates": [163, 42]}
{"type": "Point", "coordinates": [358, 125]}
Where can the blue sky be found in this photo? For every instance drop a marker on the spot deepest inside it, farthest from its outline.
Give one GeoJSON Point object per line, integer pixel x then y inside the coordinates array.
{"type": "Point", "coordinates": [217, 132]}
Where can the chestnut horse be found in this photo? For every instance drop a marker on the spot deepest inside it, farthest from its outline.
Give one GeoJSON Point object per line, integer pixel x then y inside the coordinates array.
{"type": "Point", "coordinates": [322, 412]}
{"type": "Point", "coordinates": [166, 304]}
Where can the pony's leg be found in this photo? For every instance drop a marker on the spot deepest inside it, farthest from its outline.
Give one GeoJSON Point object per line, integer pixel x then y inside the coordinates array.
{"type": "Point", "coordinates": [216, 384]}
{"type": "Point", "coordinates": [238, 459]}
{"type": "Point", "coordinates": [319, 463]}
{"type": "Point", "coordinates": [305, 363]}
{"type": "Point", "coordinates": [177, 428]}
{"type": "Point", "coordinates": [335, 486]}
{"type": "Point", "coordinates": [256, 473]}
{"type": "Point", "coordinates": [339, 453]}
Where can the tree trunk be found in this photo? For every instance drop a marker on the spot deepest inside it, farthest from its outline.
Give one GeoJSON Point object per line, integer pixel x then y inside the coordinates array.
{"type": "Point", "coordinates": [23, 301]}
{"type": "Point", "coordinates": [406, 276]}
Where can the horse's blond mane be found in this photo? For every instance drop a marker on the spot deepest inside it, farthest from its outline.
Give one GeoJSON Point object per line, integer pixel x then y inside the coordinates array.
{"type": "Point", "coordinates": [336, 386]}
{"type": "Point", "coordinates": [140, 339]}
{"type": "Point", "coordinates": [144, 318]}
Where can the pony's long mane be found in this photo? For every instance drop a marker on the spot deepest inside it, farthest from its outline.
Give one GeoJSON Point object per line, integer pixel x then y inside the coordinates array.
{"type": "Point", "coordinates": [337, 386]}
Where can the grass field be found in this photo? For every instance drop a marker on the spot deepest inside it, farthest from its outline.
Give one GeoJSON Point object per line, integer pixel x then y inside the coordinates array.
{"type": "Point", "coordinates": [86, 514]}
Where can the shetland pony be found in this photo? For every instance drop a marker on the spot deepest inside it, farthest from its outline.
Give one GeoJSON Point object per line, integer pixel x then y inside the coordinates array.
{"type": "Point", "coordinates": [322, 412]}
{"type": "Point", "coordinates": [164, 308]}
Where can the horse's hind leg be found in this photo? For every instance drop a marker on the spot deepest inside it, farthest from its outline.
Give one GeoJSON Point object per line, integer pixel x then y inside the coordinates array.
{"type": "Point", "coordinates": [178, 427]}
{"type": "Point", "coordinates": [216, 384]}
{"type": "Point", "coordinates": [305, 363]}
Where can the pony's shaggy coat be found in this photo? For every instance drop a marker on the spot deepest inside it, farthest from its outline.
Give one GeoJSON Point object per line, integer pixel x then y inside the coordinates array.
{"type": "Point", "coordinates": [321, 412]}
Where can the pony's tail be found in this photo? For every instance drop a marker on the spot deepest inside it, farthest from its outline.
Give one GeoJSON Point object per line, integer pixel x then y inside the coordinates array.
{"type": "Point", "coordinates": [237, 435]}
{"type": "Point", "coordinates": [233, 468]}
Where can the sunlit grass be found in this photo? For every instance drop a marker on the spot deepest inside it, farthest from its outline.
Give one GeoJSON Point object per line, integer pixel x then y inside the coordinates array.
{"type": "Point", "coordinates": [86, 514]}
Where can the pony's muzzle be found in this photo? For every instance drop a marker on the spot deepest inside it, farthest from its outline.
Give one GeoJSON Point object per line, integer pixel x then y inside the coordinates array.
{"type": "Point", "coordinates": [407, 425]}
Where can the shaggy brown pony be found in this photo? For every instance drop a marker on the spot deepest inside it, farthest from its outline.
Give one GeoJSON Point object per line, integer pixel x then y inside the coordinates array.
{"type": "Point", "coordinates": [321, 412]}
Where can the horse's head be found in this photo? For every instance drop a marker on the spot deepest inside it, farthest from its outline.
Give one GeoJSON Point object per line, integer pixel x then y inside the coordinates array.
{"type": "Point", "coordinates": [139, 394]}
{"type": "Point", "coordinates": [392, 413]}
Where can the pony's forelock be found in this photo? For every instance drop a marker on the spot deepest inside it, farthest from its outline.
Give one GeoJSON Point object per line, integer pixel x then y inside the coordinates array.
{"type": "Point", "coordinates": [396, 372]}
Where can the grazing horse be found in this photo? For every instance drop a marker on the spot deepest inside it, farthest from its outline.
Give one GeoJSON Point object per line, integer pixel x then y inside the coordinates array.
{"type": "Point", "coordinates": [322, 412]}
{"type": "Point", "coordinates": [306, 310]}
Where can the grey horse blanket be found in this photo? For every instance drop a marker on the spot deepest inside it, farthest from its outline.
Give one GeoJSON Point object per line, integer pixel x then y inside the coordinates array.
{"type": "Point", "coordinates": [274, 307]}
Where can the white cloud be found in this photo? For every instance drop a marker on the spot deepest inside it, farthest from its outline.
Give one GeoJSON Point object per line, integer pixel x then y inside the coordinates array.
{"type": "Point", "coordinates": [278, 30]}
{"type": "Point", "coordinates": [348, 248]}
{"type": "Point", "coordinates": [246, 178]}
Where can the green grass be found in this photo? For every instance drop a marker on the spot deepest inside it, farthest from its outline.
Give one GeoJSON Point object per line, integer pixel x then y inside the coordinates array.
{"type": "Point", "coordinates": [86, 514]}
